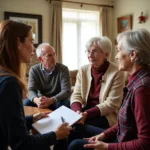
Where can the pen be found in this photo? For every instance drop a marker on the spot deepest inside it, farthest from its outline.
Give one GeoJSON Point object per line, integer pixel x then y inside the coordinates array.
{"type": "Point", "coordinates": [62, 119]}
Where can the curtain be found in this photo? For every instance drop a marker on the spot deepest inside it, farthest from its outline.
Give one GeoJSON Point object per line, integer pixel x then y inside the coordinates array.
{"type": "Point", "coordinates": [106, 28]}
{"type": "Point", "coordinates": [56, 28]}
{"type": "Point", "coordinates": [103, 21]}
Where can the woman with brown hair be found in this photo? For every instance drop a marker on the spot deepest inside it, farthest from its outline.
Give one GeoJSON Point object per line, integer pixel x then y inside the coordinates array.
{"type": "Point", "coordinates": [16, 47]}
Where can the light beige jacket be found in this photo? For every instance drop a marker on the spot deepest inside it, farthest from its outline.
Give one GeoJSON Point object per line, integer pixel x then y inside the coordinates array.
{"type": "Point", "coordinates": [111, 91]}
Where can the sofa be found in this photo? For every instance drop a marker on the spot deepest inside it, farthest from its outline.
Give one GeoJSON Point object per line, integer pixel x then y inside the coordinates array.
{"type": "Point", "coordinates": [73, 74]}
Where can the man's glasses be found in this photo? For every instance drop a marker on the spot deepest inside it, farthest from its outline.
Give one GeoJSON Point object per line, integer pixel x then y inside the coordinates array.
{"type": "Point", "coordinates": [50, 55]}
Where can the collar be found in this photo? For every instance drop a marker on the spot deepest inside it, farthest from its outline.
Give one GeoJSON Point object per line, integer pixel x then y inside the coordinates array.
{"type": "Point", "coordinates": [102, 68]}
{"type": "Point", "coordinates": [131, 77]}
{"type": "Point", "coordinates": [138, 75]}
{"type": "Point", "coordinates": [46, 72]}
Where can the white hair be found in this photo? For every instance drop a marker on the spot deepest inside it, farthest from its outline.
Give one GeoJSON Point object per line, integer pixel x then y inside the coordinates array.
{"type": "Point", "coordinates": [139, 41]}
{"type": "Point", "coordinates": [103, 43]}
{"type": "Point", "coordinates": [39, 51]}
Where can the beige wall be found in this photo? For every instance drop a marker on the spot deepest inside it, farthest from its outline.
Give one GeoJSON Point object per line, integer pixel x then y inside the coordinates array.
{"type": "Point", "coordinates": [31, 7]}
{"type": "Point", "coordinates": [121, 8]}
{"type": "Point", "coordinates": [42, 7]}
{"type": "Point", "coordinates": [133, 7]}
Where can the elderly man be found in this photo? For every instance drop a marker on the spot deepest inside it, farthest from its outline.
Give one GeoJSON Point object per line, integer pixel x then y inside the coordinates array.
{"type": "Point", "coordinates": [49, 83]}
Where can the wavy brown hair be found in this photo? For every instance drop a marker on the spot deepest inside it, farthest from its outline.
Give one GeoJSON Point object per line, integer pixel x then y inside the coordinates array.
{"type": "Point", "coordinates": [10, 61]}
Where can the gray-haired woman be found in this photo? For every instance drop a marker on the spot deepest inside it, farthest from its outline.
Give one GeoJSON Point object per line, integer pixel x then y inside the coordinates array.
{"type": "Point", "coordinates": [133, 127]}
{"type": "Point", "coordinates": [98, 90]}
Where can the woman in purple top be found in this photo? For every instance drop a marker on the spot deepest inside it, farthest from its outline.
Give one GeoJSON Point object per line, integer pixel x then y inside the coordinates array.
{"type": "Point", "coordinates": [133, 127]}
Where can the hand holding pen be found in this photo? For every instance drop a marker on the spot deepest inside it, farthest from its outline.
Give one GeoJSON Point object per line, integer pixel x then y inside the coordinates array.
{"type": "Point", "coordinates": [62, 119]}
{"type": "Point", "coordinates": [63, 130]}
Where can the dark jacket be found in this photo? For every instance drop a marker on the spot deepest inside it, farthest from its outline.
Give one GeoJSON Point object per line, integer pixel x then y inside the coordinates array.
{"type": "Point", "coordinates": [13, 127]}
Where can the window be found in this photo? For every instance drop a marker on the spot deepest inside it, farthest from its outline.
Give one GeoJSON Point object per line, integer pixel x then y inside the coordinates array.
{"type": "Point", "coordinates": [78, 27]}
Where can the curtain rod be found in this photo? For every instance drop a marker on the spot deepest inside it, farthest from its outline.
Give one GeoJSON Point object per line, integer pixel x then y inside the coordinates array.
{"type": "Point", "coordinates": [82, 3]}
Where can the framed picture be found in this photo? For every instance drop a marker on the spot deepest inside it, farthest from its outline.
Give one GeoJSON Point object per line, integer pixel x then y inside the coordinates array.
{"type": "Point", "coordinates": [124, 23]}
{"type": "Point", "coordinates": [33, 20]}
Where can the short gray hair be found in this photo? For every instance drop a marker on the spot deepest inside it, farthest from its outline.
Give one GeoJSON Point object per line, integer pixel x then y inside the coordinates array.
{"type": "Point", "coordinates": [39, 49]}
{"type": "Point", "coordinates": [103, 43]}
{"type": "Point", "coordinates": [139, 41]}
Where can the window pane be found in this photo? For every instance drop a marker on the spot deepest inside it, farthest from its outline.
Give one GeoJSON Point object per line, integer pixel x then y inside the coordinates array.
{"type": "Point", "coordinates": [78, 27]}
{"type": "Point", "coordinates": [70, 15]}
{"type": "Point", "coordinates": [88, 16]}
{"type": "Point", "coordinates": [70, 45]}
{"type": "Point", "coordinates": [88, 30]}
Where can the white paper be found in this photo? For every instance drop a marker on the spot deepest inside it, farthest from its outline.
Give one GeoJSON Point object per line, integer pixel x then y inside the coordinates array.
{"type": "Point", "coordinates": [53, 120]}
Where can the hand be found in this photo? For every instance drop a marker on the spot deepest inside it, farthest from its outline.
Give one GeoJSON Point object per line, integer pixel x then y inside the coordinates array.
{"type": "Point", "coordinates": [39, 116]}
{"type": "Point", "coordinates": [45, 103]}
{"type": "Point", "coordinates": [99, 137]}
{"type": "Point", "coordinates": [39, 100]}
{"type": "Point", "coordinates": [97, 145]}
{"type": "Point", "coordinates": [62, 131]}
{"type": "Point", "coordinates": [84, 116]}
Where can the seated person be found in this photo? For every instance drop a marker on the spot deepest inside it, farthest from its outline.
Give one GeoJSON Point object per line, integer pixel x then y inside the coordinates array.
{"type": "Point", "coordinates": [98, 90]}
{"type": "Point", "coordinates": [49, 84]}
{"type": "Point", "coordinates": [133, 127]}
{"type": "Point", "coordinates": [97, 93]}
{"type": "Point", "coordinates": [16, 47]}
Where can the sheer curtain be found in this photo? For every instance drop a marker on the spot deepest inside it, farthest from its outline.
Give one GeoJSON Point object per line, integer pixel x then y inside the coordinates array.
{"type": "Point", "coordinates": [55, 27]}
{"type": "Point", "coordinates": [78, 27]}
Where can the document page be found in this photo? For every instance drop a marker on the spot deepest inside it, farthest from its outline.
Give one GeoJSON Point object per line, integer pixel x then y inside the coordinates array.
{"type": "Point", "coordinates": [54, 119]}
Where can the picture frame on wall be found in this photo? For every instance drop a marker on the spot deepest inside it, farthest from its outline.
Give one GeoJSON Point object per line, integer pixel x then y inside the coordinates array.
{"type": "Point", "coordinates": [33, 20]}
{"type": "Point", "coordinates": [124, 23]}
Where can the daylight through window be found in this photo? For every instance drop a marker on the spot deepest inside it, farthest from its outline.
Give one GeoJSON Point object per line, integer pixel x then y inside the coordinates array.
{"type": "Point", "coordinates": [78, 27]}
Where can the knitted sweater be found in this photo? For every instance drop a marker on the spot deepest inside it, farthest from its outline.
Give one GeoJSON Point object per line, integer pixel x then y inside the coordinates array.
{"type": "Point", "coordinates": [57, 84]}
